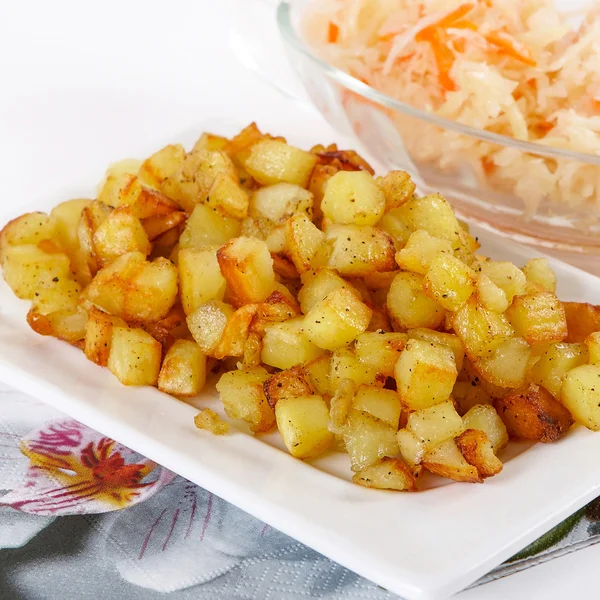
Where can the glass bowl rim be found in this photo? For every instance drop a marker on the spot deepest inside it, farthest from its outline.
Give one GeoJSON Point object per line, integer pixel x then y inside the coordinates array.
{"type": "Point", "coordinates": [293, 38]}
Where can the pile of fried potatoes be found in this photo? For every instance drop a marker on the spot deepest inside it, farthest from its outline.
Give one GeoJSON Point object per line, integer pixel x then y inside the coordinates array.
{"type": "Point", "coordinates": [340, 307]}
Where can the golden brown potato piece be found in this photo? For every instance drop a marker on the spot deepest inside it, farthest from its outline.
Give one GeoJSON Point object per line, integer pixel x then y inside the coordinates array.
{"type": "Point", "coordinates": [532, 413]}
{"type": "Point", "coordinates": [98, 335]}
{"type": "Point", "coordinates": [134, 357]}
{"type": "Point", "coordinates": [397, 187]}
{"type": "Point", "coordinates": [387, 474]}
{"type": "Point", "coordinates": [477, 451]}
{"type": "Point", "coordinates": [447, 461]}
{"type": "Point", "coordinates": [158, 224]}
{"type": "Point", "coordinates": [66, 324]}
{"type": "Point", "coordinates": [582, 319]}
{"type": "Point", "coordinates": [210, 421]}
{"type": "Point", "coordinates": [235, 333]}
{"type": "Point", "coordinates": [348, 160]}
{"type": "Point", "coordinates": [183, 371]}
{"type": "Point", "coordinates": [290, 383]}
{"type": "Point", "coordinates": [538, 317]}
{"type": "Point", "coordinates": [169, 328]}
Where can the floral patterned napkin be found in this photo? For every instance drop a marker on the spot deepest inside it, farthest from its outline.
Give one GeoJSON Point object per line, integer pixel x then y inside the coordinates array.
{"type": "Point", "coordinates": [80, 508]}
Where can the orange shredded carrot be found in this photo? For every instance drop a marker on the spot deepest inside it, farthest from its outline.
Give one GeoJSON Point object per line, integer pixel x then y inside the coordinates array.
{"type": "Point", "coordinates": [506, 44]}
{"type": "Point", "coordinates": [333, 33]}
{"type": "Point", "coordinates": [464, 24]}
{"type": "Point", "coordinates": [455, 15]}
{"type": "Point", "coordinates": [444, 58]}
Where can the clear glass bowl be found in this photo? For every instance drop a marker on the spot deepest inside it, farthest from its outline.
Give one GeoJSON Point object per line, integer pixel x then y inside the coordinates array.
{"type": "Point", "coordinates": [400, 136]}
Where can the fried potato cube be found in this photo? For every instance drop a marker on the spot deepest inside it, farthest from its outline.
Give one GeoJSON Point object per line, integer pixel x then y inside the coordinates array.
{"type": "Point", "coordinates": [449, 282]}
{"type": "Point", "coordinates": [340, 404]}
{"type": "Point", "coordinates": [353, 198]}
{"type": "Point", "coordinates": [170, 328]}
{"type": "Point", "coordinates": [381, 404]}
{"type": "Point", "coordinates": [227, 195]}
{"type": "Point", "coordinates": [359, 250]}
{"type": "Point", "coordinates": [277, 203]}
{"type": "Point", "coordinates": [206, 228]}
{"type": "Point", "coordinates": [66, 324]}
{"type": "Point", "coordinates": [336, 320]}
{"type": "Point", "coordinates": [247, 267]}
{"type": "Point", "coordinates": [183, 371]}
{"type": "Point", "coordinates": [273, 161]}
{"type": "Point", "coordinates": [210, 141]}
{"type": "Point", "coordinates": [484, 417]}
{"type": "Point", "coordinates": [368, 439]}
{"type": "Point", "coordinates": [408, 305]}
{"type": "Point", "coordinates": [582, 319]}
{"type": "Point", "coordinates": [394, 224]}
{"type": "Point", "coordinates": [445, 339]}
{"type": "Point", "coordinates": [286, 345]}
{"type": "Point", "coordinates": [98, 335]}
{"type": "Point", "coordinates": [397, 187]}
{"type": "Point", "coordinates": [317, 374]}
{"type": "Point", "coordinates": [447, 461]}
{"type": "Point", "coordinates": [302, 422]}
{"type": "Point", "coordinates": [134, 357]}
{"type": "Point", "coordinates": [319, 177]}
{"type": "Point", "coordinates": [592, 343]}
{"type": "Point", "coordinates": [210, 421]}
{"type": "Point", "coordinates": [234, 338]}
{"type": "Point", "coordinates": [412, 449]}
{"type": "Point", "coordinates": [380, 350]}
{"type": "Point", "coordinates": [538, 271]}
{"type": "Point", "coordinates": [244, 398]}
{"type": "Point", "coordinates": [120, 233]}
{"type": "Point", "coordinates": [435, 424]}
{"type": "Point", "coordinates": [66, 217]}
{"type": "Point", "coordinates": [200, 278]}
{"type": "Point", "coordinates": [156, 225]}
{"type": "Point", "coordinates": [420, 251]}
{"type": "Point", "coordinates": [468, 394]}
{"type": "Point", "coordinates": [538, 318]}
{"type": "Point", "coordinates": [30, 228]}
{"type": "Point", "coordinates": [319, 286]}
{"type": "Point", "coordinates": [290, 383]}
{"type": "Point", "coordinates": [532, 413]}
{"type": "Point", "coordinates": [92, 217]}
{"type": "Point", "coordinates": [26, 266]}
{"type": "Point", "coordinates": [387, 474]}
{"type": "Point", "coordinates": [55, 294]}
{"type": "Point", "coordinates": [480, 330]}
{"type": "Point", "coordinates": [161, 165]}
{"type": "Point", "coordinates": [125, 166]}
{"type": "Point", "coordinates": [345, 365]}
{"type": "Point", "coordinates": [477, 450]}
{"type": "Point", "coordinates": [490, 295]}
{"type": "Point", "coordinates": [302, 240]}
{"type": "Point", "coordinates": [425, 374]}
{"type": "Point", "coordinates": [581, 395]}
{"type": "Point", "coordinates": [207, 324]}
{"type": "Point", "coordinates": [506, 276]}
{"type": "Point", "coordinates": [506, 366]}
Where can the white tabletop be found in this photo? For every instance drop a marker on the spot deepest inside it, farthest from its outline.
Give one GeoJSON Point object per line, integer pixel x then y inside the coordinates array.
{"type": "Point", "coordinates": [84, 84]}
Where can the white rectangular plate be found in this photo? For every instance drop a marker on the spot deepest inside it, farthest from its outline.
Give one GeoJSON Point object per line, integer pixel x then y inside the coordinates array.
{"type": "Point", "coordinates": [423, 545]}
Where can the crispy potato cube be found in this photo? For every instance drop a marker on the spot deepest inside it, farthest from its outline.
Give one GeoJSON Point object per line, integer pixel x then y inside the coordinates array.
{"type": "Point", "coordinates": [336, 320]}
{"type": "Point", "coordinates": [408, 305]}
{"type": "Point", "coordinates": [30, 228]}
{"type": "Point", "coordinates": [445, 339]}
{"type": "Point", "coordinates": [538, 318]}
{"type": "Point", "coordinates": [207, 324]}
{"type": "Point", "coordinates": [302, 422]}
{"type": "Point", "coordinates": [92, 217]}
{"type": "Point", "coordinates": [581, 395]}
{"type": "Point", "coordinates": [161, 165]}
{"type": "Point", "coordinates": [397, 187]}
{"type": "Point", "coordinates": [98, 335]}
{"type": "Point", "coordinates": [120, 233]}
{"type": "Point", "coordinates": [134, 357]}
{"type": "Point", "coordinates": [340, 405]}
{"type": "Point", "coordinates": [55, 294]}
{"type": "Point", "coordinates": [317, 373]}
{"type": "Point", "coordinates": [286, 345]}
{"type": "Point", "coordinates": [65, 217]}
{"type": "Point", "coordinates": [506, 276]}
{"type": "Point", "coordinates": [183, 372]}
{"type": "Point", "coordinates": [206, 228]}
{"type": "Point", "coordinates": [380, 350]}
{"type": "Point", "coordinates": [412, 449]}
{"type": "Point", "coordinates": [449, 282]}
{"type": "Point", "coordinates": [490, 295]}
{"type": "Point", "coordinates": [368, 440]}
{"type": "Point", "coordinates": [26, 266]}
{"type": "Point", "coordinates": [345, 365]}
{"type": "Point", "coordinates": [592, 343]}
{"type": "Point", "coordinates": [210, 421]}
{"type": "Point", "coordinates": [582, 319]}
{"type": "Point", "coordinates": [277, 203]}
{"type": "Point", "coordinates": [234, 338]}
{"type": "Point", "coordinates": [359, 250]}
{"type": "Point", "coordinates": [273, 161]}
{"type": "Point", "coordinates": [480, 330]}
{"type": "Point", "coordinates": [247, 267]}
{"type": "Point", "coordinates": [200, 278]}
{"type": "Point", "coordinates": [319, 286]}
{"type": "Point", "coordinates": [420, 251]}
{"type": "Point", "coordinates": [210, 141]}
{"type": "Point", "coordinates": [477, 451]}
{"type": "Point", "coordinates": [319, 177]}
{"type": "Point", "coordinates": [381, 404]}
{"type": "Point", "coordinates": [302, 239]}
{"type": "Point", "coordinates": [425, 374]}
{"type": "Point", "coordinates": [507, 364]}
{"type": "Point", "coordinates": [66, 324]}
{"type": "Point", "coordinates": [394, 224]}
{"type": "Point", "coordinates": [125, 166]}
{"type": "Point", "coordinates": [468, 394]}
{"type": "Point", "coordinates": [387, 474]}
{"type": "Point", "coordinates": [435, 424]}
{"type": "Point", "coordinates": [447, 461]}
{"type": "Point", "coordinates": [538, 271]}
{"type": "Point", "coordinates": [484, 417]}
{"type": "Point", "coordinates": [228, 196]}
{"type": "Point", "coordinates": [168, 329]}
{"type": "Point", "coordinates": [531, 412]}
{"type": "Point", "coordinates": [353, 198]}
{"type": "Point", "coordinates": [290, 383]}
{"type": "Point", "coordinates": [156, 225]}
{"type": "Point", "coordinates": [244, 398]}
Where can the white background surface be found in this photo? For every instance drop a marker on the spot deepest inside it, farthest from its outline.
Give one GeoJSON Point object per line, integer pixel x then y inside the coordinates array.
{"type": "Point", "coordinates": [84, 84]}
